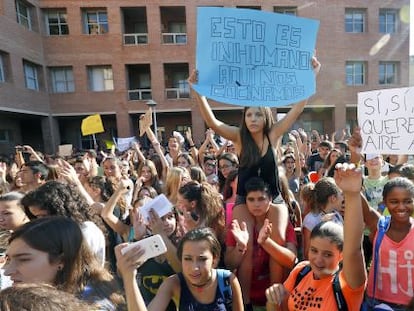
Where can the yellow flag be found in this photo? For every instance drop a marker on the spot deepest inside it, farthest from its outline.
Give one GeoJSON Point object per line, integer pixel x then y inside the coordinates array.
{"type": "Point", "coordinates": [92, 125]}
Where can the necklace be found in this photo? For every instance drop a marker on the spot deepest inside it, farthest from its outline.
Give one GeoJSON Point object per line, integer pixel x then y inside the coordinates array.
{"type": "Point", "coordinates": [259, 170]}
{"type": "Point", "coordinates": [201, 287]}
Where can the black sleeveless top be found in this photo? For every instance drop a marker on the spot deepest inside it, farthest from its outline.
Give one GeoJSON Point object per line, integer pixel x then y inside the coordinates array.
{"type": "Point", "coordinates": [266, 169]}
{"type": "Point", "coordinates": [189, 303]}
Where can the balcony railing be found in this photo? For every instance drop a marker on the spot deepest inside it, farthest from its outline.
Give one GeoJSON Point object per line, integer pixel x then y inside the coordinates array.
{"type": "Point", "coordinates": [135, 38]}
{"type": "Point", "coordinates": [177, 93]}
{"type": "Point", "coordinates": [174, 38]}
{"type": "Point", "coordinates": [140, 94]}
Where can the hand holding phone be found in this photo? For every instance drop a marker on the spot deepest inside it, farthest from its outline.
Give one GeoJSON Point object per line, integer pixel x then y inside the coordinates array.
{"type": "Point", "coordinates": [153, 246]}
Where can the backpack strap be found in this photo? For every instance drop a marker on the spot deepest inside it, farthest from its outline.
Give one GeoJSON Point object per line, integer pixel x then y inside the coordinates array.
{"type": "Point", "coordinates": [382, 227]}
{"type": "Point", "coordinates": [302, 273]}
{"type": "Point", "coordinates": [225, 287]}
{"type": "Point", "coordinates": [339, 296]}
{"type": "Point", "coordinates": [336, 286]}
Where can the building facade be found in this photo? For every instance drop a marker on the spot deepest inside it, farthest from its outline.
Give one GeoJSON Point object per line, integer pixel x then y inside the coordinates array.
{"type": "Point", "coordinates": [61, 61]}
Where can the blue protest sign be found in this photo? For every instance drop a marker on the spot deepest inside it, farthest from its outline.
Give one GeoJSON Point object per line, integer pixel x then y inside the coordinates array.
{"type": "Point", "coordinates": [254, 58]}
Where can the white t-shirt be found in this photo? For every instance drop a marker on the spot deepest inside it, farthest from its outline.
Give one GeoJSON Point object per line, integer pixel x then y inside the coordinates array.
{"type": "Point", "coordinates": [95, 239]}
{"type": "Point", "coordinates": [311, 220]}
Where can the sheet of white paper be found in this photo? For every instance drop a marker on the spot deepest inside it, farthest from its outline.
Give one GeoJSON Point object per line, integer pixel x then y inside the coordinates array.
{"type": "Point", "coordinates": [160, 204]}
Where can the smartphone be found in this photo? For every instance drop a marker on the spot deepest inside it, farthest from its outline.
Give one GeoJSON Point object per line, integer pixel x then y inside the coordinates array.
{"type": "Point", "coordinates": [153, 246]}
{"type": "Point", "coordinates": [19, 148]}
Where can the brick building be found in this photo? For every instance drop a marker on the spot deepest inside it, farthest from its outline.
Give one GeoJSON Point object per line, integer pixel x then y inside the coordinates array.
{"type": "Point", "coordinates": [63, 60]}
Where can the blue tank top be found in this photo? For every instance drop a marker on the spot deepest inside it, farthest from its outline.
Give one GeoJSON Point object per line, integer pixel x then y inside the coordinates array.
{"type": "Point", "coordinates": [189, 303]}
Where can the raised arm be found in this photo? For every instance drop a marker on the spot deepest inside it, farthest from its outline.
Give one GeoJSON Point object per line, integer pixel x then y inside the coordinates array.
{"type": "Point", "coordinates": [157, 147]}
{"type": "Point", "coordinates": [281, 127]}
{"type": "Point", "coordinates": [221, 128]}
{"type": "Point", "coordinates": [107, 212]}
{"type": "Point", "coordinates": [192, 147]}
{"type": "Point", "coordinates": [279, 253]}
{"type": "Point", "coordinates": [68, 172]}
{"type": "Point", "coordinates": [127, 266]}
{"type": "Point", "coordinates": [156, 225]}
{"type": "Point", "coordinates": [137, 149]}
{"type": "Point", "coordinates": [349, 179]}
{"type": "Point", "coordinates": [32, 152]}
{"type": "Point", "coordinates": [234, 254]}
{"type": "Point", "coordinates": [294, 138]}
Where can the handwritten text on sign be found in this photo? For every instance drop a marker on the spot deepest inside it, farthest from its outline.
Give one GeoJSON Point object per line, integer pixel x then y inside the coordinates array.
{"type": "Point", "coordinates": [386, 118]}
{"type": "Point", "coordinates": [252, 58]}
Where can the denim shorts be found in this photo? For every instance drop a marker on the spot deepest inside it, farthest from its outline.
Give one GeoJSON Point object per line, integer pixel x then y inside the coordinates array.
{"type": "Point", "coordinates": [370, 304]}
{"type": "Point", "coordinates": [240, 199]}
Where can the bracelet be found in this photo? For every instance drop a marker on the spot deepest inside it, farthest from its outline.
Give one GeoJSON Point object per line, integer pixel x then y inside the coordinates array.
{"type": "Point", "coordinates": [191, 146]}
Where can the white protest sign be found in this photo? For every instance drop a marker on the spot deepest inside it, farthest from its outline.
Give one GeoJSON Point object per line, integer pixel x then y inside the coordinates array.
{"type": "Point", "coordinates": [160, 204]}
{"type": "Point", "coordinates": [65, 150]}
{"type": "Point", "coordinates": [386, 118]}
{"type": "Point", "coordinates": [123, 144]}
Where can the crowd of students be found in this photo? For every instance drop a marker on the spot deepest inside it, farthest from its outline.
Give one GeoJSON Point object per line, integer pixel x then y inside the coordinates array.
{"type": "Point", "coordinates": [258, 223]}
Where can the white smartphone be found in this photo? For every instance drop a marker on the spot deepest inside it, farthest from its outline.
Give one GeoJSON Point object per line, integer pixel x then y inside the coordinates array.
{"type": "Point", "coordinates": [153, 246]}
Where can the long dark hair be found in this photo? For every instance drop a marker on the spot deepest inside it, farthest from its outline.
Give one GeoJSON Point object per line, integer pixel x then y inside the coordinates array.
{"type": "Point", "coordinates": [250, 153]}
{"type": "Point", "coordinates": [61, 238]}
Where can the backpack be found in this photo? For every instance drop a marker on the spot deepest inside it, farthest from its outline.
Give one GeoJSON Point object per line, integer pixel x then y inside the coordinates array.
{"type": "Point", "coordinates": [339, 296]}
{"type": "Point", "coordinates": [225, 287]}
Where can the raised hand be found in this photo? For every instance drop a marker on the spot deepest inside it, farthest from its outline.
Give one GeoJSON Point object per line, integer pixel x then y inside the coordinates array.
{"type": "Point", "coordinates": [348, 177]}
{"type": "Point", "coordinates": [129, 262]}
{"type": "Point", "coordinates": [138, 222]}
{"type": "Point", "coordinates": [355, 141]}
{"type": "Point", "coordinates": [240, 233]}
{"type": "Point", "coordinates": [193, 78]}
{"type": "Point", "coordinates": [265, 232]}
{"type": "Point", "coordinates": [155, 223]}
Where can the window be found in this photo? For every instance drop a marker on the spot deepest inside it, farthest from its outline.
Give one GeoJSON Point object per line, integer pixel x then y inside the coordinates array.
{"type": "Point", "coordinates": [2, 71]}
{"type": "Point", "coordinates": [5, 72]}
{"type": "Point", "coordinates": [286, 10]}
{"type": "Point", "coordinates": [100, 78]}
{"type": "Point", "coordinates": [180, 88]}
{"type": "Point", "coordinates": [23, 14]}
{"type": "Point", "coordinates": [31, 75]}
{"type": "Point", "coordinates": [177, 33]}
{"type": "Point", "coordinates": [388, 73]}
{"type": "Point", "coordinates": [5, 136]}
{"type": "Point", "coordinates": [355, 73]}
{"type": "Point", "coordinates": [388, 21]}
{"type": "Point", "coordinates": [355, 20]}
{"type": "Point", "coordinates": [56, 23]}
{"type": "Point", "coordinates": [96, 22]}
{"type": "Point", "coordinates": [62, 79]}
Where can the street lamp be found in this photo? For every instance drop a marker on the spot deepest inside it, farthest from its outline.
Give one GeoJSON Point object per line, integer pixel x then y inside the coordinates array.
{"type": "Point", "coordinates": [152, 104]}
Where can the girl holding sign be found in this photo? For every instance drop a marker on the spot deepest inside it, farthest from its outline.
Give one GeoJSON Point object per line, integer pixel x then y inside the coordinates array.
{"type": "Point", "coordinates": [255, 142]}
